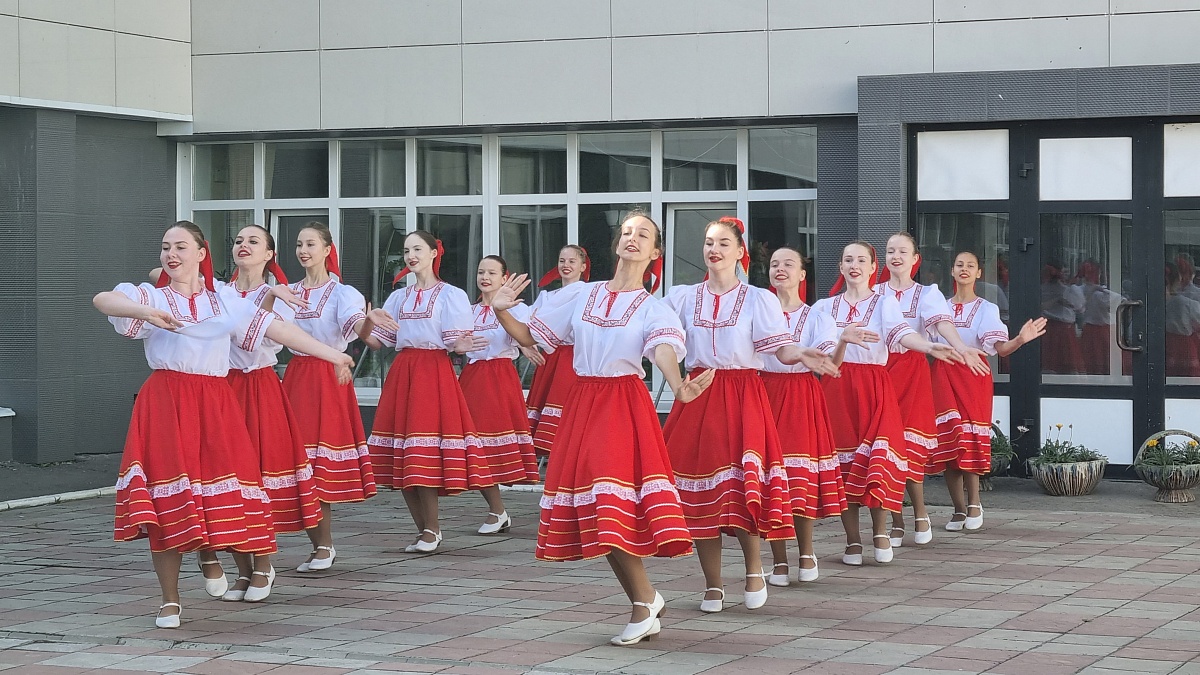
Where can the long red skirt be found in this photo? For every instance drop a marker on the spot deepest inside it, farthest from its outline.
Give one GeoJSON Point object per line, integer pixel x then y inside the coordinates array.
{"type": "Point", "coordinates": [494, 397]}
{"type": "Point", "coordinates": [424, 435]}
{"type": "Point", "coordinates": [728, 460]}
{"type": "Point", "coordinates": [189, 475]}
{"type": "Point", "coordinates": [1095, 344]}
{"type": "Point", "coordinates": [809, 455]}
{"type": "Point", "coordinates": [332, 430]}
{"type": "Point", "coordinates": [287, 475]}
{"type": "Point", "coordinates": [547, 393]}
{"type": "Point", "coordinates": [914, 393]}
{"type": "Point", "coordinates": [1060, 349]}
{"type": "Point", "coordinates": [609, 484]}
{"type": "Point", "coordinates": [1182, 357]}
{"type": "Point", "coordinates": [963, 401]}
{"type": "Point", "coordinates": [868, 433]}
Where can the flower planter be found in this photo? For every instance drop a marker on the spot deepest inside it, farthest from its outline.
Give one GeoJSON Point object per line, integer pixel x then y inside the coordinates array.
{"type": "Point", "coordinates": [1173, 481]}
{"type": "Point", "coordinates": [1068, 480]}
{"type": "Point", "coordinates": [1000, 464]}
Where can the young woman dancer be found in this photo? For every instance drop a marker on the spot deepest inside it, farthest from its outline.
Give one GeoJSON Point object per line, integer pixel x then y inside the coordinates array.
{"type": "Point", "coordinates": [327, 411]}
{"type": "Point", "coordinates": [554, 376]}
{"type": "Point", "coordinates": [924, 309]}
{"type": "Point", "coordinates": [424, 441]}
{"type": "Point", "coordinates": [724, 446]}
{"type": "Point", "coordinates": [609, 487]}
{"type": "Point", "coordinates": [963, 398]}
{"type": "Point", "coordinates": [869, 432]}
{"type": "Point", "coordinates": [190, 476]}
{"type": "Point", "coordinates": [802, 418]}
{"type": "Point", "coordinates": [494, 396]}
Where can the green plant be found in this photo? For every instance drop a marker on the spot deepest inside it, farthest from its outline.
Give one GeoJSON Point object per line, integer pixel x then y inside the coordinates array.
{"type": "Point", "coordinates": [1001, 446]}
{"type": "Point", "coordinates": [1169, 454]}
{"type": "Point", "coordinates": [1055, 450]}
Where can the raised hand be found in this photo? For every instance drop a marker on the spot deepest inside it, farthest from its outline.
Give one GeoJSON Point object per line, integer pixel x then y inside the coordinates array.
{"type": "Point", "coordinates": [946, 353]}
{"type": "Point", "coordinates": [161, 319]}
{"type": "Point", "coordinates": [344, 370]}
{"type": "Point", "coordinates": [976, 360]}
{"type": "Point", "coordinates": [289, 297]}
{"type": "Point", "coordinates": [509, 293]}
{"type": "Point", "coordinates": [1033, 329]}
{"type": "Point", "coordinates": [381, 318]}
{"type": "Point", "coordinates": [533, 354]}
{"type": "Point", "coordinates": [690, 389]}
{"type": "Point", "coordinates": [855, 334]}
{"type": "Point", "coordinates": [469, 343]}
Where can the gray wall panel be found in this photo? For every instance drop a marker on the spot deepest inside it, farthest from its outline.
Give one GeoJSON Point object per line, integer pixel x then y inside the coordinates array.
{"type": "Point", "coordinates": [1016, 95]}
{"type": "Point", "coordinates": [1122, 91]}
{"type": "Point", "coordinates": [837, 195]}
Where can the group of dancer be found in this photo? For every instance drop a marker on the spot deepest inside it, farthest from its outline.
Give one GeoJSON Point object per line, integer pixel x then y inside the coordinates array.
{"type": "Point", "coordinates": [755, 446]}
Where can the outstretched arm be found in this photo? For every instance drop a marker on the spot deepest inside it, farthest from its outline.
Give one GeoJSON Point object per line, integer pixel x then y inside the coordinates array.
{"type": "Point", "coordinates": [117, 304]}
{"type": "Point", "coordinates": [685, 388]}
{"type": "Point", "coordinates": [976, 359]}
{"type": "Point", "coordinates": [1032, 330]}
{"type": "Point", "coordinates": [506, 298]}
{"type": "Point", "coordinates": [293, 337]}
{"type": "Point", "coordinates": [940, 352]}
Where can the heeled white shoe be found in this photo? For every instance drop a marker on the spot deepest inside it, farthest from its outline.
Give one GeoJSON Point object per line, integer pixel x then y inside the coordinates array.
{"type": "Point", "coordinates": [896, 542]}
{"type": "Point", "coordinates": [645, 629]}
{"type": "Point", "coordinates": [258, 594]}
{"type": "Point", "coordinates": [318, 564]}
{"type": "Point", "coordinates": [813, 574]}
{"type": "Point", "coordinates": [755, 599]}
{"type": "Point", "coordinates": [234, 595]}
{"type": "Point", "coordinates": [777, 579]}
{"type": "Point", "coordinates": [953, 525]}
{"type": "Point", "coordinates": [303, 567]}
{"type": "Point", "coordinates": [973, 522]}
{"type": "Point", "coordinates": [423, 546]}
{"type": "Point", "coordinates": [214, 587]}
{"type": "Point", "coordinates": [852, 559]}
{"type": "Point", "coordinates": [713, 606]}
{"type": "Point", "coordinates": [503, 522]}
{"type": "Point", "coordinates": [169, 621]}
{"type": "Point", "coordinates": [882, 555]}
{"type": "Point", "coordinates": [919, 537]}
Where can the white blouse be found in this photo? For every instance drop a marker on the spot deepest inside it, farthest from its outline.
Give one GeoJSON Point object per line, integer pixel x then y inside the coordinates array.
{"type": "Point", "coordinates": [923, 308]}
{"type": "Point", "coordinates": [267, 353]}
{"type": "Point", "coordinates": [807, 328]}
{"type": "Point", "coordinates": [979, 325]}
{"type": "Point", "coordinates": [333, 309]}
{"type": "Point", "coordinates": [732, 330]}
{"type": "Point", "coordinates": [877, 313]}
{"type": "Point", "coordinates": [1061, 302]}
{"type": "Point", "coordinates": [1099, 303]}
{"type": "Point", "coordinates": [500, 345]}
{"type": "Point", "coordinates": [611, 331]}
{"type": "Point", "coordinates": [1182, 315]}
{"type": "Point", "coordinates": [557, 297]}
{"type": "Point", "coordinates": [213, 327]}
{"type": "Point", "coordinates": [429, 318]}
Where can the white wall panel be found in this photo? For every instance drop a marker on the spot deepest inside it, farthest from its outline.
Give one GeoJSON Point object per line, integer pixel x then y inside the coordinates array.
{"type": "Point", "coordinates": [962, 165]}
{"type": "Point", "coordinates": [153, 74]}
{"type": "Point", "coordinates": [1001, 415]}
{"type": "Point", "coordinates": [66, 63]}
{"type": "Point", "coordinates": [396, 87]}
{"type": "Point", "coordinates": [816, 71]}
{"type": "Point", "coordinates": [388, 23]}
{"type": "Point", "coordinates": [517, 20]}
{"type": "Point", "coordinates": [169, 19]}
{"type": "Point", "coordinates": [236, 26]}
{"type": "Point", "coordinates": [10, 70]}
{"type": "Point", "coordinates": [1026, 44]}
{"type": "Point", "coordinates": [1182, 413]}
{"type": "Point", "coordinates": [687, 76]}
{"type": "Point", "coordinates": [8, 7]}
{"type": "Point", "coordinates": [666, 17]}
{"type": "Point", "coordinates": [1145, 39]}
{"type": "Point", "coordinates": [254, 92]}
{"type": "Point", "coordinates": [1131, 6]}
{"type": "Point", "coordinates": [975, 10]}
{"type": "Point", "coordinates": [1073, 169]}
{"type": "Point", "coordinates": [1105, 426]}
{"type": "Point", "coordinates": [827, 14]}
{"type": "Point", "coordinates": [555, 81]}
{"type": "Point", "coordinates": [90, 13]}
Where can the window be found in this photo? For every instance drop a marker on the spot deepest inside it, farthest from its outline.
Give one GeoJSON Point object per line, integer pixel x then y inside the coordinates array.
{"type": "Point", "coordinates": [372, 168]}
{"type": "Point", "coordinates": [220, 227]}
{"type": "Point", "coordinates": [223, 171]}
{"type": "Point", "coordinates": [530, 239]}
{"type": "Point", "coordinates": [700, 160]}
{"type": "Point", "coordinates": [297, 170]}
{"type": "Point", "coordinates": [450, 166]}
{"type": "Point", "coordinates": [614, 162]}
{"type": "Point", "coordinates": [783, 159]}
{"type": "Point", "coordinates": [461, 230]}
{"type": "Point", "coordinates": [598, 225]}
{"type": "Point", "coordinates": [775, 224]}
{"type": "Point", "coordinates": [533, 165]}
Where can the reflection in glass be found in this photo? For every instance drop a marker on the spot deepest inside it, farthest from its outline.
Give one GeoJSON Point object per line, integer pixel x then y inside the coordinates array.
{"type": "Point", "coordinates": [687, 243]}
{"type": "Point", "coordinates": [700, 160]}
{"type": "Point", "coordinates": [533, 165]}
{"type": "Point", "coordinates": [220, 227]}
{"type": "Point", "coordinates": [297, 170]}
{"type": "Point", "coordinates": [775, 224]}
{"type": "Point", "coordinates": [1183, 294]}
{"type": "Point", "coordinates": [614, 162]}
{"type": "Point", "coordinates": [372, 168]}
{"type": "Point", "coordinates": [783, 158]}
{"type": "Point", "coordinates": [530, 239]}
{"type": "Point", "coordinates": [223, 171]}
{"type": "Point", "coordinates": [461, 230]}
{"type": "Point", "coordinates": [597, 229]}
{"type": "Point", "coordinates": [371, 253]}
{"type": "Point", "coordinates": [450, 166]}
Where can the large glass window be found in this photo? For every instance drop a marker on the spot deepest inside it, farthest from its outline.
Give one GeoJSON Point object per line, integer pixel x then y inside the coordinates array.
{"type": "Point", "coordinates": [614, 162]}
{"type": "Point", "coordinates": [461, 230]}
{"type": "Point", "coordinates": [372, 168]}
{"type": "Point", "coordinates": [297, 170]}
{"type": "Point", "coordinates": [372, 252]}
{"type": "Point", "coordinates": [530, 239]}
{"type": "Point", "coordinates": [1183, 296]}
{"type": "Point", "coordinates": [598, 225]}
{"type": "Point", "coordinates": [775, 224]}
{"type": "Point", "coordinates": [223, 171]}
{"type": "Point", "coordinates": [700, 160]}
{"type": "Point", "coordinates": [450, 166]}
{"type": "Point", "coordinates": [220, 227]}
{"type": "Point", "coordinates": [533, 165]}
{"type": "Point", "coordinates": [783, 159]}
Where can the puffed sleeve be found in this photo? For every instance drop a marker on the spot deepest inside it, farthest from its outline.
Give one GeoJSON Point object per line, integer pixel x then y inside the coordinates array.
{"type": "Point", "coordinates": [522, 313]}
{"type": "Point", "coordinates": [551, 327]}
{"type": "Point", "coordinates": [820, 332]}
{"type": "Point", "coordinates": [351, 309]}
{"type": "Point", "coordinates": [392, 307]}
{"type": "Point", "coordinates": [768, 326]}
{"type": "Point", "coordinates": [135, 329]}
{"type": "Point", "coordinates": [932, 309]}
{"type": "Point", "coordinates": [676, 299]}
{"type": "Point", "coordinates": [251, 322]}
{"type": "Point", "coordinates": [456, 317]}
{"type": "Point", "coordinates": [892, 321]}
{"type": "Point", "coordinates": [991, 329]}
{"type": "Point", "coordinates": [538, 302]}
{"type": "Point", "coordinates": [662, 327]}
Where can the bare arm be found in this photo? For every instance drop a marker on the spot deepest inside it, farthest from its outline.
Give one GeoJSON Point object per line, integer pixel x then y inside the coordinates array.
{"type": "Point", "coordinates": [519, 331]}
{"type": "Point", "coordinates": [940, 352]}
{"type": "Point", "coordinates": [685, 388]}
{"type": "Point", "coordinates": [117, 304]}
{"type": "Point", "coordinates": [1032, 330]}
{"type": "Point", "coordinates": [816, 360]}
{"type": "Point", "coordinates": [975, 359]}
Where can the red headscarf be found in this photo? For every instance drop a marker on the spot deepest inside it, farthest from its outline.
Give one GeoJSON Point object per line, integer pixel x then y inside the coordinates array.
{"type": "Point", "coordinates": [654, 271]}
{"type": "Point", "coordinates": [553, 275]}
{"type": "Point", "coordinates": [206, 271]}
{"type": "Point", "coordinates": [437, 264]}
{"type": "Point", "coordinates": [841, 280]}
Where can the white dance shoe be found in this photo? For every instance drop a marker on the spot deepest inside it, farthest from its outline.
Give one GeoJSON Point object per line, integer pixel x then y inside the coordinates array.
{"type": "Point", "coordinates": [883, 555]}
{"type": "Point", "coordinates": [956, 525]}
{"type": "Point", "coordinates": [645, 629]}
{"type": "Point", "coordinates": [973, 522]}
{"type": "Point", "coordinates": [503, 522]}
{"type": "Point", "coordinates": [318, 564]}
{"type": "Point", "coordinates": [806, 575]}
{"type": "Point", "coordinates": [777, 579]}
{"type": "Point", "coordinates": [257, 594]}
{"type": "Point", "coordinates": [170, 620]}
{"type": "Point", "coordinates": [713, 606]}
{"type": "Point", "coordinates": [852, 559]}
{"type": "Point", "coordinates": [214, 587]}
{"type": "Point", "coordinates": [921, 538]}
{"type": "Point", "coordinates": [755, 599]}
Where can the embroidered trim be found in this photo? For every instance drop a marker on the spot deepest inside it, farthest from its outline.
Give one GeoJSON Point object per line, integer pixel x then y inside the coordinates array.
{"type": "Point", "coordinates": [800, 321]}
{"type": "Point", "coordinates": [257, 325]}
{"type": "Point", "coordinates": [550, 412]}
{"type": "Point", "coordinates": [612, 323]}
{"type": "Point", "coordinates": [315, 312]}
{"type": "Point", "coordinates": [812, 465]}
{"type": "Point", "coordinates": [917, 439]}
{"type": "Point", "coordinates": [827, 346]}
{"type": "Point", "coordinates": [775, 341]}
{"type": "Point", "coordinates": [397, 443]}
{"type": "Point", "coordinates": [866, 315]}
{"type": "Point", "coordinates": [355, 453]}
{"type": "Point", "coordinates": [732, 473]}
{"type": "Point", "coordinates": [135, 325]}
{"type": "Point", "coordinates": [348, 326]}
{"type": "Point", "coordinates": [946, 417]}
{"type": "Point", "coordinates": [666, 333]}
{"type": "Point", "coordinates": [700, 322]}
{"type": "Point", "coordinates": [488, 326]}
{"type": "Point", "coordinates": [867, 450]}
{"type": "Point", "coordinates": [385, 335]}
{"type": "Point", "coordinates": [898, 331]}
{"type": "Point", "coordinates": [162, 491]}
{"type": "Point", "coordinates": [966, 323]}
{"type": "Point", "coordinates": [543, 331]}
{"type": "Point", "coordinates": [288, 481]}
{"type": "Point", "coordinates": [505, 439]}
{"type": "Point", "coordinates": [433, 292]}
{"type": "Point", "coordinates": [935, 320]}
{"type": "Point", "coordinates": [993, 337]}
{"type": "Point", "coordinates": [170, 294]}
{"type": "Point", "coordinates": [606, 488]}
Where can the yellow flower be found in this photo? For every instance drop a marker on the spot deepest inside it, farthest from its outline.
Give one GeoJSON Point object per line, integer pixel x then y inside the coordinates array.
{"type": "Point", "coordinates": [1152, 443]}
{"type": "Point", "coordinates": [1193, 443]}
{"type": "Point", "coordinates": [1058, 425]}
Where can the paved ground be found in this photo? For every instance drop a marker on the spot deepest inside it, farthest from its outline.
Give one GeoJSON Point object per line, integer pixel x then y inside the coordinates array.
{"type": "Point", "coordinates": [1038, 590]}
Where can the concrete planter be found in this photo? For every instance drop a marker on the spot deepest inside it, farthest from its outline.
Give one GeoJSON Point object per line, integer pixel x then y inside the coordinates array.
{"type": "Point", "coordinates": [1070, 479]}
{"type": "Point", "coordinates": [1174, 482]}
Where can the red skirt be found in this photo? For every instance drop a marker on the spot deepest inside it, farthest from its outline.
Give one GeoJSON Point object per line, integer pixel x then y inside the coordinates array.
{"type": "Point", "coordinates": [424, 435]}
{"type": "Point", "coordinates": [868, 433]}
{"type": "Point", "coordinates": [809, 455]}
{"type": "Point", "coordinates": [1060, 349]}
{"type": "Point", "coordinates": [189, 474]}
{"type": "Point", "coordinates": [547, 393]}
{"type": "Point", "coordinates": [332, 430]}
{"type": "Point", "coordinates": [494, 397]}
{"type": "Point", "coordinates": [963, 401]}
{"type": "Point", "coordinates": [1096, 343]}
{"type": "Point", "coordinates": [609, 484]}
{"type": "Point", "coordinates": [1182, 357]}
{"type": "Point", "coordinates": [728, 460]}
{"type": "Point", "coordinates": [287, 475]}
{"type": "Point", "coordinates": [914, 393]}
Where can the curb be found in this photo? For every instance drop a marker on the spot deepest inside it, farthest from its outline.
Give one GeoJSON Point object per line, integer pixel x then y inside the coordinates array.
{"type": "Point", "coordinates": [46, 500]}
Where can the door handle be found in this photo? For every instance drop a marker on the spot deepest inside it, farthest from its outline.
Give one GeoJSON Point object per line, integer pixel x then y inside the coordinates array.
{"type": "Point", "coordinates": [1122, 312]}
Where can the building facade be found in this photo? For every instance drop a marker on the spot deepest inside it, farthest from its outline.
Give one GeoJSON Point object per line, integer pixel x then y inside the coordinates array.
{"type": "Point", "coordinates": [1056, 138]}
